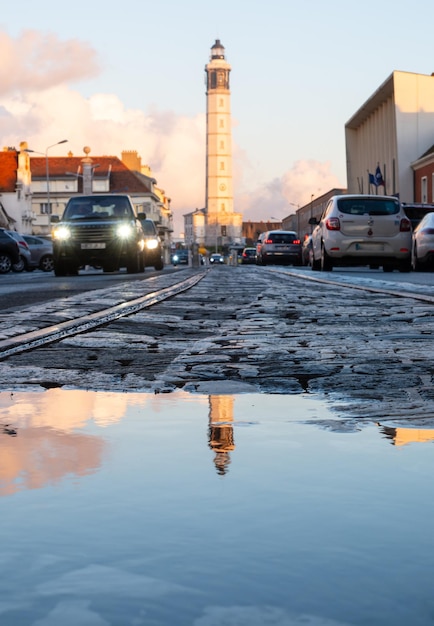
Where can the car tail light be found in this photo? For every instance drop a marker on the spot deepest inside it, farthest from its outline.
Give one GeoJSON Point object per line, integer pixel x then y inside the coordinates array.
{"type": "Point", "coordinates": [333, 223]}
{"type": "Point", "coordinates": [296, 241]}
{"type": "Point", "coordinates": [24, 244]}
{"type": "Point", "coordinates": [268, 241]}
{"type": "Point", "coordinates": [405, 225]}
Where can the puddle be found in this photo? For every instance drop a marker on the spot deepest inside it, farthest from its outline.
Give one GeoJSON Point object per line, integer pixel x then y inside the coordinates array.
{"type": "Point", "coordinates": [210, 510]}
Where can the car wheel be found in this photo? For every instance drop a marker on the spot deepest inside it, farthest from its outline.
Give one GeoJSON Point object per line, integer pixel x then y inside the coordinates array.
{"type": "Point", "coordinates": [315, 264]}
{"type": "Point", "coordinates": [60, 269]}
{"type": "Point", "coordinates": [326, 264]}
{"type": "Point", "coordinates": [5, 263]}
{"type": "Point", "coordinates": [159, 265]}
{"type": "Point", "coordinates": [133, 263]}
{"type": "Point", "coordinates": [405, 266]}
{"type": "Point", "coordinates": [20, 266]}
{"type": "Point", "coordinates": [415, 263]}
{"type": "Point", "coordinates": [46, 264]}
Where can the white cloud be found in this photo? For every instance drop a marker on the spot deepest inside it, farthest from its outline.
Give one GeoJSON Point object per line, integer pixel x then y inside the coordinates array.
{"type": "Point", "coordinates": [34, 61]}
{"type": "Point", "coordinates": [40, 107]}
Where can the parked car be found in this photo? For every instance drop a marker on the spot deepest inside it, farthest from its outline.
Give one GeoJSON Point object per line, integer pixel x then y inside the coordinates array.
{"type": "Point", "coordinates": [422, 252]}
{"type": "Point", "coordinates": [248, 256]}
{"type": "Point", "coordinates": [362, 230]}
{"type": "Point", "coordinates": [9, 252]}
{"type": "Point", "coordinates": [25, 260]}
{"type": "Point", "coordinates": [41, 251]}
{"type": "Point", "coordinates": [278, 246]}
{"type": "Point", "coordinates": [416, 211]}
{"type": "Point", "coordinates": [180, 257]}
{"type": "Point", "coordinates": [306, 252]}
{"type": "Point", "coordinates": [216, 259]}
{"type": "Point", "coordinates": [102, 230]}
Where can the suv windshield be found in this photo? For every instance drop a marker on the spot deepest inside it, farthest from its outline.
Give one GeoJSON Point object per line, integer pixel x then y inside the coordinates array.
{"type": "Point", "coordinates": [368, 206]}
{"type": "Point", "coordinates": [99, 207]}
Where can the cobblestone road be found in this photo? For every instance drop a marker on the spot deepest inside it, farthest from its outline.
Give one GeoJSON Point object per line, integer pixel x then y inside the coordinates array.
{"type": "Point", "coordinates": [250, 329]}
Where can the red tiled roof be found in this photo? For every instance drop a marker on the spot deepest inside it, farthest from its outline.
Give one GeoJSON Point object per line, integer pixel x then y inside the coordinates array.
{"type": "Point", "coordinates": [8, 170]}
{"type": "Point", "coordinates": [121, 178]}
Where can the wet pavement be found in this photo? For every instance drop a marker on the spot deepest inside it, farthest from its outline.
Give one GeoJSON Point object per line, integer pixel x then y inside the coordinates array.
{"type": "Point", "coordinates": [208, 510]}
{"type": "Point", "coordinates": [245, 330]}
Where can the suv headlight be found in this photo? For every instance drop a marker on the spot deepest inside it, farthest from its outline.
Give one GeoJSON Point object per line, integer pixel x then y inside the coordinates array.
{"type": "Point", "coordinates": [61, 233]}
{"type": "Point", "coordinates": [152, 244]}
{"type": "Point", "coordinates": [124, 231]}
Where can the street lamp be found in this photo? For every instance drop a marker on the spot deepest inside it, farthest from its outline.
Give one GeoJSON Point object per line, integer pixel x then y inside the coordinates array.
{"type": "Point", "coordinates": [47, 172]}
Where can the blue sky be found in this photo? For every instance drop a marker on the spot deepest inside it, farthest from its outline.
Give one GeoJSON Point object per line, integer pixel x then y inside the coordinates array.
{"type": "Point", "coordinates": [131, 77]}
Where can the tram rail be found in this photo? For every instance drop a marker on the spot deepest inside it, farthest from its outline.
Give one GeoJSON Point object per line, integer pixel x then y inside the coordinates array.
{"type": "Point", "coordinates": [50, 334]}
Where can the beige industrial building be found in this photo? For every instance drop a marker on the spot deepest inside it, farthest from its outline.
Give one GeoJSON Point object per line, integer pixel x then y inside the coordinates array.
{"type": "Point", "coordinates": [392, 129]}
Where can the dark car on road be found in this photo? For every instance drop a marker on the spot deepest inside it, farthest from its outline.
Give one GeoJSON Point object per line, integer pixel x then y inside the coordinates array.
{"type": "Point", "coordinates": [216, 259]}
{"type": "Point", "coordinates": [416, 212]}
{"type": "Point", "coordinates": [278, 246]}
{"type": "Point", "coordinates": [180, 257]}
{"type": "Point", "coordinates": [9, 252]}
{"type": "Point", "coordinates": [104, 231]}
{"type": "Point", "coordinates": [153, 250]}
{"type": "Point", "coordinates": [248, 256]}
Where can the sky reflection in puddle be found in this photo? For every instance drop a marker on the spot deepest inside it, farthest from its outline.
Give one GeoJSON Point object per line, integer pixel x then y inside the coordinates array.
{"type": "Point", "coordinates": [181, 509]}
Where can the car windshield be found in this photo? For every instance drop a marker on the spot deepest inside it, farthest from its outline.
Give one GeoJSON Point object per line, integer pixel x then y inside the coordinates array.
{"type": "Point", "coordinates": [368, 206]}
{"type": "Point", "coordinates": [148, 227]}
{"type": "Point", "coordinates": [97, 208]}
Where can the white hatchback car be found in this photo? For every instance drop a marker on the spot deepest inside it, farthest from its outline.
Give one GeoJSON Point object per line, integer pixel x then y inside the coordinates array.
{"type": "Point", "coordinates": [362, 230]}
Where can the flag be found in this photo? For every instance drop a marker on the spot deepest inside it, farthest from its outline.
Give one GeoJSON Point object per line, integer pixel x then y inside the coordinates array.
{"type": "Point", "coordinates": [379, 177]}
{"type": "Point", "coordinates": [372, 180]}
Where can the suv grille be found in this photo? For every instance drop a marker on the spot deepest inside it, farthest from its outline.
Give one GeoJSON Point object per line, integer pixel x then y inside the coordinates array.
{"type": "Point", "coordinates": [92, 233]}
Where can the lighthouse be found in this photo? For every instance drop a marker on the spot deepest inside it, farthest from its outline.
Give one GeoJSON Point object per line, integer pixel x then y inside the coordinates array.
{"type": "Point", "coordinates": [223, 225]}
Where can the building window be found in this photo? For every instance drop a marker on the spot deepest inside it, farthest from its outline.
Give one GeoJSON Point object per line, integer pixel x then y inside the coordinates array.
{"type": "Point", "coordinates": [221, 102]}
{"type": "Point", "coordinates": [222, 145]}
{"type": "Point", "coordinates": [432, 187]}
{"type": "Point", "coordinates": [43, 208]}
{"type": "Point", "coordinates": [222, 165]}
{"type": "Point", "coordinates": [424, 189]}
{"type": "Point", "coordinates": [223, 207]}
{"type": "Point", "coordinates": [222, 123]}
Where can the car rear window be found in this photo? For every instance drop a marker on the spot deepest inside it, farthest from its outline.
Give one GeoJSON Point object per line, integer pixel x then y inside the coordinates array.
{"type": "Point", "coordinates": [368, 206]}
{"type": "Point", "coordinates": [281, 237]}
{"type": "Point", "coordinates": [416, 213]}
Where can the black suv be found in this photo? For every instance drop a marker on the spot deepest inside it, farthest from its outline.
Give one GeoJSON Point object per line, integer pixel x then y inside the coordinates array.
{"type": "Point", "coordinates": [416, 211]}
{"type": "Point", "coordinates": [9, 252]}
{"type": "Point", "coordinates": [103, 231]}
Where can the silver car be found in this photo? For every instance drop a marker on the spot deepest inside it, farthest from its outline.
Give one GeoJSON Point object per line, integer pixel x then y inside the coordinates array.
{"type": "Point", "coordinates": [362, 230]}
{"type": "Point", "coordinates": [41, 252]}
{"type": "Point", "coordinates": [422, 252]}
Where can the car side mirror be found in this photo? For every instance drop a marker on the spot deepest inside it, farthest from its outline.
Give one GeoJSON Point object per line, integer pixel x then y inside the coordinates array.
{"type": "Point", "coordinates": [141, 216]}
{"type": "Point", "coordinates": [313, 221]}
{"type": "Point", "coordinates": [54, 219]}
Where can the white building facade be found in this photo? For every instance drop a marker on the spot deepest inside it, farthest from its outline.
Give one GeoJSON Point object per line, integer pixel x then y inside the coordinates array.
{"type": "Point", "coordinates": [392, 129]}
